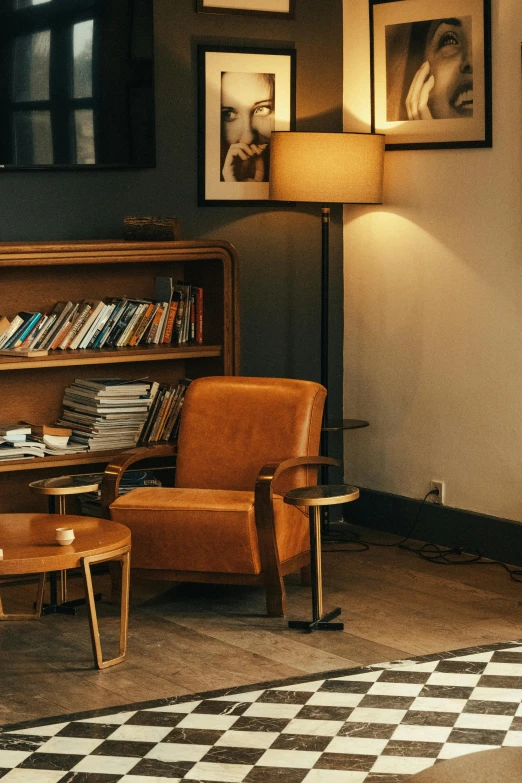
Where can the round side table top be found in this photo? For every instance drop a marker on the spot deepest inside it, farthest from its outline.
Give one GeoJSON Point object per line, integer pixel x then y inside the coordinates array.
{"type": "Point", "coordinates": [322, 495]}
{"type": "Point", "coordinates": [345, 424]}
{"type": "Point", "coordinates": [65, 485]}
{"type": "Point", "coordinates": [29, 545]}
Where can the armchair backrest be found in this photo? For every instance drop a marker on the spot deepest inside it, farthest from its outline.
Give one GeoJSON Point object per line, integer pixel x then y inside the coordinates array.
{"type": "Point", "coordinates": [231, 426]}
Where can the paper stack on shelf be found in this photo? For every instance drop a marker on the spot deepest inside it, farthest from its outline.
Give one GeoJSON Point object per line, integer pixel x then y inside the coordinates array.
{"type": "Point", "coordinates": [105, 414]}
{"type": "Point", "coordinates": [14, 443]}
{"type": "Point", "coordinates": [23, 441]}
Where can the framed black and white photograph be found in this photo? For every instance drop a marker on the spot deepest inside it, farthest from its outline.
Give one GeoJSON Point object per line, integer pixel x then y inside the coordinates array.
{"type": "Point", "coordinates": [244, 94]}
{"type": "Point", "coordinates": [431, 73]}
{"type": "Point", "coordinates": [280, 9]}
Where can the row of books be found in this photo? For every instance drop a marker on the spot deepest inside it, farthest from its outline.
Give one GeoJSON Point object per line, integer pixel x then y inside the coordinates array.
{"type": "Point", "coordinates": [111, 413]}
{"type": "Point", "coordinates": [165, 413]}
{"type": "Point", "coordinates": [175, 315]}
{"type": "Point", "coordinates": [26, 441]}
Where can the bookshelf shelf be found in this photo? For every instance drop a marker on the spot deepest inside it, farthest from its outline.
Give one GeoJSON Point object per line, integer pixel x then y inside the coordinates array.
{"type": "Point", "coordinates": [37, 275]}
{"type": "Point", "coordinates": [70, 460]}
{"type": "Point", "coordinates": [143, 353]}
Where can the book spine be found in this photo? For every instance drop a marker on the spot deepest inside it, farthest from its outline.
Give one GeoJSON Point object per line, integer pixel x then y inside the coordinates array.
{"type": "Point", "coordinates": [142, 325]}
{"type": "Point", "coordinates": [92, 324]}
{"type": "Point", "coordinates": [104, 317]}
{"type": "Point", "coordinates": [127, 334]}
{"type": "Point", "coordinates": [82, 331]}
{"type": "Point", "coordinates": [15, 325]}
{"type": "Point", "coordinates": [62, 333]}
{"type": "Point", "coordinates": [40, 337]}
{"type": "Point", "coordinates": [24, 331]}
{"type": "Point", "coordinates": [61, 337]}
{"type": "Point", "coordinates": [186, 316]}
{"type": "Point", "coordinates": [160, 414]}
{"type": "Point", "coordinates": [77, 325]}
{"type": "Point", "coordinates": [199, 315]}
{"type": "Point", "coordinates": [179, 319]}
{"type": "Point", "coordinates": [169, 327]}
{"type": "Point", "coordinates": [155, 323]}
{"type": "Point", "coordinates": [111, 324]}
{"type": "Point", "coordinates": [192, 318]}
{"type": "Point", "coordinates": [161, 326]}
{"type": "Point", "coordinates": [61, 315]}
{"type": "Point", "coordinates": [35, 331]}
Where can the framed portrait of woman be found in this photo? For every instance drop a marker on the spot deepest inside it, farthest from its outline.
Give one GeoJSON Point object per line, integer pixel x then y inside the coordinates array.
{"type": "Point", "coordinates": [431, 73]}
{"type": "Point", "coordinates": [277, 9]}
{"type": "Point", "coordinates": [244, 94]}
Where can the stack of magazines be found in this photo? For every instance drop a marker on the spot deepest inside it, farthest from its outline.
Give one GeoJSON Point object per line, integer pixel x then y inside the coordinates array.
{"type": "Point", "coordinates": [25, 441]}
{"type": "Point", "coordinates": [90, 502]}
{"type": "Point", "coordinates": [106, 414]}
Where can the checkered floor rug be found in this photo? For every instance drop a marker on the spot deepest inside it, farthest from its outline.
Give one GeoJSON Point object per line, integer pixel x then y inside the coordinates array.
{"type": "Point", "coordinates": [375, 723]}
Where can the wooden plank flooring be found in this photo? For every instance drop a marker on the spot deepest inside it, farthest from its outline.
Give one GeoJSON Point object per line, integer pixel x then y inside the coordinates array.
{"type": "Point", "coordinates": [190, 638]}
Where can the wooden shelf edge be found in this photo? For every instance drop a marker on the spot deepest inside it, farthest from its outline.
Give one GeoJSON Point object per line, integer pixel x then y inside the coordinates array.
{"type": "Point", "coordinates": [121, 356]}
{"type": "Point", "coordinates": [66, 460]}
{"type": "Point", "coordinates": [112, 251]}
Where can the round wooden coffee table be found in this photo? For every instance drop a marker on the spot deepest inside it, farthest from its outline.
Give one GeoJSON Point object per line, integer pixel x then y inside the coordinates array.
{"type": "Point", "coordinates": [29, 547]}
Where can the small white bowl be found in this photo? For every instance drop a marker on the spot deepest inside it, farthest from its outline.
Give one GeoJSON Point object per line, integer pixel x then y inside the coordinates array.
{"type": "Point", "coordinates": [64, 535]}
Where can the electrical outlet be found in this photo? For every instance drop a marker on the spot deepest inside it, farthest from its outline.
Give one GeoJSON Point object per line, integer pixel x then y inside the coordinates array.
{"type": "Point", "coordinates": [439, 498]}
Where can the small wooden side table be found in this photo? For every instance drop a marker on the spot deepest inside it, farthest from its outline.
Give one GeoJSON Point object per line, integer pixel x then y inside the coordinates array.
{"type": "Point", "coordinates": [29, 547]}
{"type": "Point", "coordinates": [56, 490]}
{"type": "Point", "coordinates": [314, 498]}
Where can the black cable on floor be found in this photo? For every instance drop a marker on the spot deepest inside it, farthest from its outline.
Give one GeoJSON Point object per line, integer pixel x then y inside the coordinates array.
{"type": "Point", "coordinates": [433, 553]}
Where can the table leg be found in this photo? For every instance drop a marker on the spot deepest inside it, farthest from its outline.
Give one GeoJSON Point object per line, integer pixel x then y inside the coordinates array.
{"type": "Point", "coordinates": [36, 614]}
{"type": "Point", "coordinates": [319, 622]}
{"type": "Point", "coordinates": [62, 606]}
{"type": "Point", "coordinates": [122, 555]}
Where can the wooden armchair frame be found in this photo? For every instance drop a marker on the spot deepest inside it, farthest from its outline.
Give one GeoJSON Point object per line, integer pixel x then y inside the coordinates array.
{"type": "Point", "coordinates": [272, 570]}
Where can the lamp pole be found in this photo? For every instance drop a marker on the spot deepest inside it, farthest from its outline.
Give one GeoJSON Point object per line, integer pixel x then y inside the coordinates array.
{"type": "Point", "coordinates": [325, 256]}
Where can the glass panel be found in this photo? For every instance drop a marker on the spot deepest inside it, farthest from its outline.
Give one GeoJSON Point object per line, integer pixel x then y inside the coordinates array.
{"type": "Point", "coordinates": [84, 126]}
{"type": "Point", "coordinates": [33, 138]}
{"type": "Point", "coordinates": [82, 51]}
{"type": "Point", "coordinates": [28, 3]}
{"type": "Point", "coordinates": [31, 67]}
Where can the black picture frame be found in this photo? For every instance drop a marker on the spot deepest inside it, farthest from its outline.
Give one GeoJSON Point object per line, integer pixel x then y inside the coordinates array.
{"type": "Point", "coordinates": [287, 8]}
{"type": "Point", "coordinates": [430, 65]}
{"type": "Point", "coordinates": [223, 180]}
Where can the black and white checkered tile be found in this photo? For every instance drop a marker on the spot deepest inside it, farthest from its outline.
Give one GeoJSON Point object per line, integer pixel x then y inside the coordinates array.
{"type": "Point", "coordinates": [375, 723]}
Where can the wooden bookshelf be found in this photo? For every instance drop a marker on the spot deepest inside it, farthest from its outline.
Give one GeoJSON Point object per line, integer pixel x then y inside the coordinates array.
{"type": "Point", "coordinates": [37, 275]}
{"type": "Point", "coordinates": [140, 353]}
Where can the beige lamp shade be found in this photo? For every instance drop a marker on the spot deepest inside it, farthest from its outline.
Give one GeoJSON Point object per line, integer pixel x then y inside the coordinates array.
{"type": "Point", "coordinates": [326, 167]}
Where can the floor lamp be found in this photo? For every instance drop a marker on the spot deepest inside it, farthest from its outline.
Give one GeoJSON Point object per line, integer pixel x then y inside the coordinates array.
{"type": "Point", "coordinates": [326, 168]}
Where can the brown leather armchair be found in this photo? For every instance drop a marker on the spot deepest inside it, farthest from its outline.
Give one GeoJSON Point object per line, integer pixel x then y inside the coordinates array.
{"type": "Point", "coordinates": [243, 443]}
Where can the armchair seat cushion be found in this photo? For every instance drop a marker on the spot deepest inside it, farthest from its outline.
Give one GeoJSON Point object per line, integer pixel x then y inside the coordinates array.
{"type": "Point", "coordinates": [208, 530]}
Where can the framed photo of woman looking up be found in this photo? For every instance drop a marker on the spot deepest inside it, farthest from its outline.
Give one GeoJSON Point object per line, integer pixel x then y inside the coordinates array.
{"type": "Point", "coordinates": [244, 94]}
{"type": "Point", "coordinates": [431, 73]}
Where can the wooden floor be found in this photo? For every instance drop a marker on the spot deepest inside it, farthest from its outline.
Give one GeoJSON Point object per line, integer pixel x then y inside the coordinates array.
{"type": "Point", "coordinates": [190, 638]}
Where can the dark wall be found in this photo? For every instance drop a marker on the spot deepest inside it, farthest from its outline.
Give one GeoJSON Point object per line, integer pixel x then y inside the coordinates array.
{"type": "Point", "coordinates": [279, 247]}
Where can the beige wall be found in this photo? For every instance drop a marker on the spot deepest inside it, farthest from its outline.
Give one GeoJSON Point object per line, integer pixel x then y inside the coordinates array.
{"type": "Point", "coordinates": [433, 301]}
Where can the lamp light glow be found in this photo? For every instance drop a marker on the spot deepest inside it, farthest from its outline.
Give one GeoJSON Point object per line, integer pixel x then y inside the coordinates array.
{"type": "Point", "coordinates": [326, 167]}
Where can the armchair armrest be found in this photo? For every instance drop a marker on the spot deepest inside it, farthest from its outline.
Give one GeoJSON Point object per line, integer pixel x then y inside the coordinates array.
{"type": "Point", "coordinates": [264, 517]}
{"type": "Point", "coordinates": [265, 481]}
{"type": "Point", "coordinates": [272, 470]}
{"type": "Point", "coordinates": [116, 468]}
